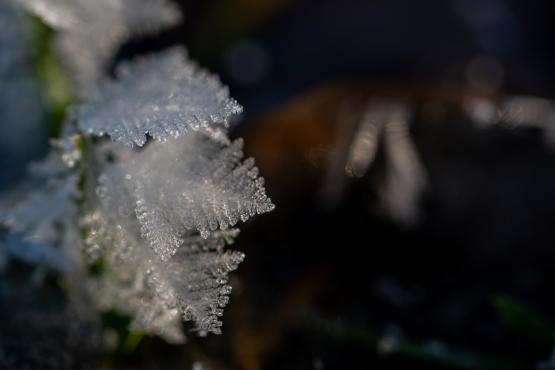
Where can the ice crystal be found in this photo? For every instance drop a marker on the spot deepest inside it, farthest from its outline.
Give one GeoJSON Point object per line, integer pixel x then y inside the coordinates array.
{"type": "Point", "coordinates": [188, 184]}
{"type": "Point", "coordinates": [163, 95]}
{"type": "Point", "coordinates": [192, 285]}
{"type": "Point", "coordinates": [160, 226]}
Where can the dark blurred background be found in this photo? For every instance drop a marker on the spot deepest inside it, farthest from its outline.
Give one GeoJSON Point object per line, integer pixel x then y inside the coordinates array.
{"type": "Point", "coordinates": [409, 148]}
{"type": "Point", "coordinates": [271, 51]}
{"type": "Point", "coordinates": [439, 256]}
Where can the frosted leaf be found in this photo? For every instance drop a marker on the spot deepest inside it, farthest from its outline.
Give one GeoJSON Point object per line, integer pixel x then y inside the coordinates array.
{"type": "Point", "coordinates": [160, 221]}
{"type": "Point", "coordinates": [156, 219]}
{"type": "Point", "coordinates": [206, 289]}
{"type": "Point", "coordinates": [160, 233]}
{"type": "Point", "coordinates": [162, 95]}
{"type": "Point", "coordinates": [192, 285]}
{"type": "Point", "coordinates": [156, 293]}
{"type": "Point", "coordinates": [92, 31]}
{"type": "Point", "coordinates": [195, 279]}
{"type": "Point", "coordinates": [189, 184]}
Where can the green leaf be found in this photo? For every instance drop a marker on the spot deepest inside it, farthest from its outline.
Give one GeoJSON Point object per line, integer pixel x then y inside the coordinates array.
{"type": "Point", "coordinates": [524, 320]}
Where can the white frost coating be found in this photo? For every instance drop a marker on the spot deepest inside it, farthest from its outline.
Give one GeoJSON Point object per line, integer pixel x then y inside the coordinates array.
{"type": "Point", "coordinates": [156, 294]}
{"type": "Point", "coordinates": [152, 204]}
{"type": "Point", "coordinates": [186, 185]}
{"type": "Point", "coordinates": [92, 30]}
{"type": "Point", "coordinates": [163, 95]}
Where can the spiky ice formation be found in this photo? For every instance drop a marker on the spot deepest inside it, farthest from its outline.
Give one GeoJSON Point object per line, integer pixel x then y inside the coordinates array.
{"type": "Point", "coordinates": [163, 95]}
{"type": "Point", "coordinates": [190, 184]}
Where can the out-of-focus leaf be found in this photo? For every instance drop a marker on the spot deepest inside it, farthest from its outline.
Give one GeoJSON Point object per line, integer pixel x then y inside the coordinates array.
{"type": "Point", "coordinates": [432, 352]}
{"type": "Point", "coordinates": [524, 320]}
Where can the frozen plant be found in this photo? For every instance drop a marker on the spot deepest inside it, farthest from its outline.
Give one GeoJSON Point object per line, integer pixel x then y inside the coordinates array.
{"type": "Point", "coordinates": [163, 97]}
{"type": "Point", "coordinates": [154, 208]}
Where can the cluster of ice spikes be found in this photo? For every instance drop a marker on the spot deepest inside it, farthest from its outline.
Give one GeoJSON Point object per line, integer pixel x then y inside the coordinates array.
{"type": "Point", "coordinates": [154, 207]}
